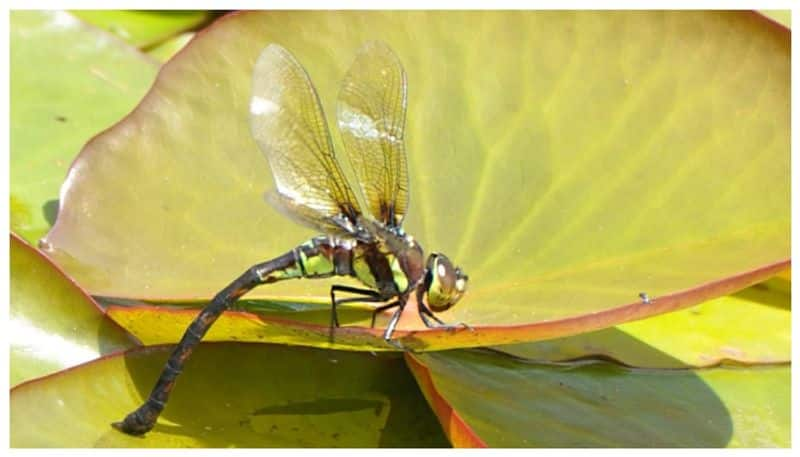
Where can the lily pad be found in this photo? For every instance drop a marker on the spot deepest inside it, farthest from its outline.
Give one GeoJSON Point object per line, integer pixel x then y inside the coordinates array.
{"type": "Point", "coordinates": [782, 17]}
{"type": "Point", "coordinates": [729, 328]}
{"type": "Point", "coordinates": [54, 324]}
{"type": "Point", "coordinates": [69, 80]}
{"type": "Point", "coordinates": [164, 51]}
{"type": "Point", "coordinates": [231, 395]}
{"type": "Point", "coordinates": [507, 402]}
{"type": "Point", "coordinates": [141, 28]}
{"type": "Point", "coordinates": [571, 162]}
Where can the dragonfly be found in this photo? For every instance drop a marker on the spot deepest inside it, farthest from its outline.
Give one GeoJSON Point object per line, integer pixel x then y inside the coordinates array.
{"type": "Point", "coordinates": [289, 126]}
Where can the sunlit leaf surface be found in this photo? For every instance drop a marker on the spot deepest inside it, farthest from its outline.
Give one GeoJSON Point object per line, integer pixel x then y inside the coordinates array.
{"type": "Point", "coordinates": [753, 326]}
{"type": "Point", "coordinates": [144, 28]}
{"type": "Point", "coordinates": [507, 402]}
{"type": "Point", "coordinates": [232, 395]}
{"type": "Point", "coordinates": [169, 48]}
{"type": "Point", "coordinates": [53, 323]}
{"type": "Point", "coordinates": [68, 82]}
{"type": "Point", "coordinates": [571, 162]}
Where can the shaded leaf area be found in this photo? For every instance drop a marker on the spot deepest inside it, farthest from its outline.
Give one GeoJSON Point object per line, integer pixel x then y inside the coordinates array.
{"type": "Point", "coordinates": [672, 180]}
{"type": "Point", "coordinates": [165, 50]}
{"type": "Point", "coordinates": [729, 328]}
{"type": "Point", "coordinates": [144, 29]}
{"type": "Point", "coordinates": [509, 402]}
{"type": "Point", "coordinates": [69, 80]}
{"type": "Point", "coordinates": [53, 323]}
{"type": "Point", "coordinates": [232, 395]}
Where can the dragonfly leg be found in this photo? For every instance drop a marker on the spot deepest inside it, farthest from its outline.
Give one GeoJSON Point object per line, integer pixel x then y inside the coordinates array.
{"type": "Point", "coordinates": [367, 296]}
{"type": "Point", "coordinates": [425, 314]}
{"type": "Point", "coordinates": [381, 309]}
{"type": "Point", "coordinates": [387, 335]}
{"type": "Point", "coordinates": [144, 418]}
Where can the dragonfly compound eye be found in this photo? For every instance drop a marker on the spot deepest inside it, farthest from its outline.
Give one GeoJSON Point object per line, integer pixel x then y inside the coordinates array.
{"type": "Point", "coordinates": [446, 284]}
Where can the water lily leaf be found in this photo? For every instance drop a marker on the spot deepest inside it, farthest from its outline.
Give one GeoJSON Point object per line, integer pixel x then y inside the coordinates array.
{"type": "Point", "coordinates": [69, 80]}
{"type": "Point", "coordinates": [786, 276]}
{"type": "Point", "coordinates": [164, 51]}
{"type": "Point", "coordinates": [508, 402]}
{"type": "Point", "coordinates": [665, 171]}
{"type": "Point", "coordinates": [783, 17]}
{"type": "Point", "coordinates": [728, 328]}
{"type": "Point", "coordinates": [141, 28]}
{"type": "Point", "coordinates": [54, 323]}
{"type": "Point", "coordinates": [231, 395]}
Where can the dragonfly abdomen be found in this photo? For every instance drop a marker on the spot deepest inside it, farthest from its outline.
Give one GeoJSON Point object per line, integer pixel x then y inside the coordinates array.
{"type": "Point", "coordinates": [320, 257]}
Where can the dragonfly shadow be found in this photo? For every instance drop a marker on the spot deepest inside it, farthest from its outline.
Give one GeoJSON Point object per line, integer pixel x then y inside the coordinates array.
{"type": "Point", "coordinates": [265, 395]}
{"type": "Point", "coordinates": [767, 293]}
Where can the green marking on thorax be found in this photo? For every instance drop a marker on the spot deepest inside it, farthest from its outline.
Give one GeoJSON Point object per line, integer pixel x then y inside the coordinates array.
{"type": "Point", "coordinates": [398, 275]}
{"type": "Point", "coordinates": [363, 273]}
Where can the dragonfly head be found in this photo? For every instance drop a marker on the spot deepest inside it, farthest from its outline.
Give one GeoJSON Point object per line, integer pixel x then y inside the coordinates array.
{"type": "Point", "coordinates": [444, 283]}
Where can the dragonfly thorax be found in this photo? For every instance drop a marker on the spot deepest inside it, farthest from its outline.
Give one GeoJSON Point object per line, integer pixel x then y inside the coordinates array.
{"type": "Point", "coordinates": [393, 265]}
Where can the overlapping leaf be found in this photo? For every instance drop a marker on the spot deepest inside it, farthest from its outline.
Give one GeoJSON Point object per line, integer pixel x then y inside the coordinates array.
{"type": "Point", "coordinates": [69, 81]}
{"type": "Point", "coordinates": [169, 48]}
{"type": "Point", "coordinates": [54, 323]}
{"type": "Point", "coordinates": [753, 326]}
{"type": "Point", "coordinates": [568, 163]}
{"type": "Point", "coordinates": [482, 398]}
{"type": "Point", "coordinates": [144, 28]}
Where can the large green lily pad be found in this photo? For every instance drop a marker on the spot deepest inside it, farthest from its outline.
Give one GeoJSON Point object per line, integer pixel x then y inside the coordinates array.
{"type": "Point", "coordinates": [484, 399]}
{"type": "Point", "coordinates": [69, 80]}
{"type": "Point", "coordinates": [54, 324]}
{"type": "Point", "coordinates": [232, 395]}
{"type": "Point", "coordinates": [570, 162]}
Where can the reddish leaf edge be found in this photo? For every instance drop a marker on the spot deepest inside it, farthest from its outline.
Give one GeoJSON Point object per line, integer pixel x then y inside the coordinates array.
{"type": "Point", "coordinates": [640, 310]}
{"type": "Point", "coordinates": [136, 350]}
{"type": "Point", "coordinates": [110, 355]}
{"type": "Point", "coordinates": [460, 434]}
{"type": "Point", "coordinates": [492, 335]}
{"type": "Point", "coordinates": [14, 238]}
{"type": "Point", "coordinates": [772, 21]}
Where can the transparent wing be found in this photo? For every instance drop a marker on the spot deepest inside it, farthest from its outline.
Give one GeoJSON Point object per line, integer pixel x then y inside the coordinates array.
{"type": "Point", "coordinates": [339, 225]}
{"type": "Point", "coordinates": [288, 124]}
{"type": "Point", "coordinates": [371, 114]}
